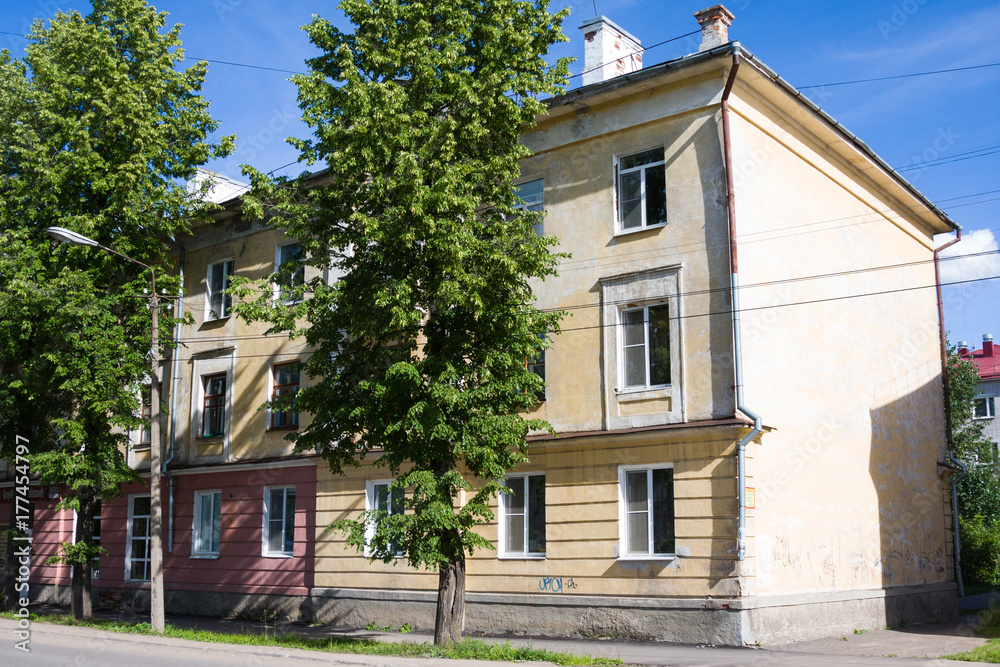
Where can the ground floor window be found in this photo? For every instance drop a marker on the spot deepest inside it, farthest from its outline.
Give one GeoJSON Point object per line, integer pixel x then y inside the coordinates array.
{"type": "Point", "coordinates": [279, 521]}
{"type": "Point", "coordinates": [383, 498]}
{"type": "Point", "coordinates": [137, 544]}
{"type": "Point", "coordinates": [207, 523]}
{"type": "Point", "coordinates": [522, 516]}
{"type": "Point", "coordinates": [646, 514]}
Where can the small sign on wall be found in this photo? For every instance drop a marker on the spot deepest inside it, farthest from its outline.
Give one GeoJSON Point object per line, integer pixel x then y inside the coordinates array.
{"type": "Point", "coordinates": [751, 497]}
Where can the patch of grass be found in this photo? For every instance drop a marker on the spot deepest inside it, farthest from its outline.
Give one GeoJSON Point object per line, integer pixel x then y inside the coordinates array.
{"type": "Point", "coordinates": [467, 649]}
{"type": "Point", "coordinates": [859, 632]}
{"type": "Point", "coordinates": [987, 653]}
{"type": "Point", "coordinates": [989, 625]}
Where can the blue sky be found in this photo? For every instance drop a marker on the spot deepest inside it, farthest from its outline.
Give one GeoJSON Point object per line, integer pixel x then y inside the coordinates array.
{"type": "Point", "coordinates": [907, 121]}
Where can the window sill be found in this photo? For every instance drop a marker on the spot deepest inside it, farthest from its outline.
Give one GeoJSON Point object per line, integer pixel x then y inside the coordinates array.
{"type": "Point", "coordinates": [210, 320]}
{"type": "Point", "coordinates": [283, 428]}
{"type": "Point", "coordinates": [277, 555]}
{"type": "Point", "coordinates": [637, 230]}
{"type": "Point", "coordinates": [521, 557]}
{"type": "Point", "coordinates": [201, 438]}
{"type": "Point", "coordinates": [643, 393]}
{"type": "Point", "coordinates": [656, 557]}
{"type": "Point", "coordinates": [204, 556]}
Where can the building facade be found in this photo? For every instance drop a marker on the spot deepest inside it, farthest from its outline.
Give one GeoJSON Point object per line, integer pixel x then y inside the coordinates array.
{"type": "Point", "coordinates": [745, 452]}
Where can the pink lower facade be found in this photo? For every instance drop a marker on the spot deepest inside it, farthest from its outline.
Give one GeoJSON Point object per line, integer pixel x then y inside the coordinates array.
{"type": "Point", "coordinates": [246, 551]}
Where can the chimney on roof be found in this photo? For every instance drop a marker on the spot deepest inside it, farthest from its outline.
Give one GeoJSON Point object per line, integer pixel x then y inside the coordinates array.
{"type": "Point", "coordinates": [714, 22]}
{"type": "Point", "coordinates": [987, 345]}
{"type": "Point", "coordinates": [963, 348]}
{"type": "Point", "coordinates": [608, 51]}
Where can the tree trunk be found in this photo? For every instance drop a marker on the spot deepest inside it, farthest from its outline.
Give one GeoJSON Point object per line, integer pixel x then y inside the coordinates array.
{"type": "Point", "coordinates": [450, 622]}
{"type": "Point", "coordinates": [81, 604]}
{"type": "Point", "coordinates": [9, 566]}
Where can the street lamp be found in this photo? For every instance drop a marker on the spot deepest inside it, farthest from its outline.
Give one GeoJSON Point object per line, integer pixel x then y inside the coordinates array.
{"type": "Point", "coordinates": [155, 511]}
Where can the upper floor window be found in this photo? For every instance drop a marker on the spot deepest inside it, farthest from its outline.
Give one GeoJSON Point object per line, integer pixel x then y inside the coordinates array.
{"type": "Point", "coordinates": [382, 497]}
{"type": "Point", "coordinates": [522, 517]}
{"type": "Point", "coordinates": [983, 407]}
{"type": "Point", "coordinates": [285, 254]}
{"type": "Point", "coordinates": [646, 511]}
{"type": "Point", "coordinates": [645, 347]}
{"type": "Point", "coordinates": [536, 365]}
{"type": "Point", "coordinates": [532, 194]}
{"type": "Point", "coordinates": [144, 428]}
{"type": "Point", "coordinates": [286, 382]}
{"type": "Point", "coordinates": [279, 521]}
{"type": "Point", "coordinates": [641, 190]}
{"type": "Point", "coordinates": [213, 415]}
{"type": "Point", "coordinates": [219, 304]}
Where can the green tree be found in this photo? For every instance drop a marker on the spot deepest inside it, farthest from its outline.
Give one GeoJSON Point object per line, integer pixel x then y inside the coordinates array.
{"type": "Point", "coordinates": [98, 132]}
{"type": "Point", "coordinates": [422, 343]}
{"type": "Point", "coordinates": [979, 490]}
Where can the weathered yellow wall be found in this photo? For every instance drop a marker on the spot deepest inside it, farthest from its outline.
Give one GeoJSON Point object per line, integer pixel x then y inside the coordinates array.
{"type": "Point", "coordinates": [243, 350]}
{"type": "Point", "coordinates": [581, 487]}
{"type": "Point", "coordinates": [847, 487]}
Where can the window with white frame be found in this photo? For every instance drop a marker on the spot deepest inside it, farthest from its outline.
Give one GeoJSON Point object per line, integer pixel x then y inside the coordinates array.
{"type": "Point", "coordinates": [984, 407]}
{"type": "Point", "coordinates": [219, 304]}
{"type": "Point", "coordinates": [213, 413]}
{"type": "Point", "coordinates": [137, 557]}
{"type": "Point", "coordinates": [641, 189]}
{"type": "Point", "coordinates": [290, 253]}
{"type": "Point", "coordinates": [279, 521]}
{"type": "Point", "coordinates": [645, 336]}
{"type": "Point", "coordinates": [646, 511]}
{"type": "Point", "coordinates": [532, 195]}
{"type": "Point", "coordinates": [207, 523]}
{"type": "Point", "coordinates": [522, 517]}
{"type": "Point", "coordinates": [95, 539]}
{"type": "Point", "coordinates": [285, 383]}
{"type": "Point", "coordinates": [381, 497]}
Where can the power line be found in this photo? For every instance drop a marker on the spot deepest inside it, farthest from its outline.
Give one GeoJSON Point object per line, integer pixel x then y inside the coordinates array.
{"type": "Point", "coordinates": [898, 76]}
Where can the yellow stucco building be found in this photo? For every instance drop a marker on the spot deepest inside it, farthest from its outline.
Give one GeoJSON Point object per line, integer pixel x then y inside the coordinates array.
{"type": "Point", "coordinates": [721, 474]}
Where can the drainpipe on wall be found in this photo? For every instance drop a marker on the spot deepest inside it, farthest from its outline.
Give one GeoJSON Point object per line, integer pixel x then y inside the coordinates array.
{"type": "Point", "coordinates": [175, 376]}
{"type": "Point", "coordinates": [947, 415]}
{"type": "Point", "coordinates": [741, 540]}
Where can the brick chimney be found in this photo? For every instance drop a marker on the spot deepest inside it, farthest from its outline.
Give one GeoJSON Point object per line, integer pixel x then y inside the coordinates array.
{"type": "Point", "coordinates": [608, 51]}
{"type": "Point", "coordinates": [987, 345]}
{"type": "Point", "coordinates": [963, 348]}
{"type": "Point", "coordinates": [714, 22]}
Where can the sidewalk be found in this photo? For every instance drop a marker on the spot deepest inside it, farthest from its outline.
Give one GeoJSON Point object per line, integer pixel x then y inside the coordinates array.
{"type": "Point", "coordinates": [920, 641]}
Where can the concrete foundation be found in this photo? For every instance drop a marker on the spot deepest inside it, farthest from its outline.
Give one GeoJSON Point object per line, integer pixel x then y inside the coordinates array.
{"type": "Point", "coordinates": [732, 622]}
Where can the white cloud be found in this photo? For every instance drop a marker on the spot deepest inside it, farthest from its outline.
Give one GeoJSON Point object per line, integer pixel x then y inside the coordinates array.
{"type": "Point", "coordinates": [972, 264]}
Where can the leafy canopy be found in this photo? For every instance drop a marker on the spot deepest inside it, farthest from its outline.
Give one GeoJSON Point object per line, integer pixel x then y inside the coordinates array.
{"type": "Point", "coordinates": [422, 265]}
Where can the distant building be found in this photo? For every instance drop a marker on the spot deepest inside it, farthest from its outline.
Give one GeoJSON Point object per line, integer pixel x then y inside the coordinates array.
{"type": "Point", "coordinates": [987, 362]}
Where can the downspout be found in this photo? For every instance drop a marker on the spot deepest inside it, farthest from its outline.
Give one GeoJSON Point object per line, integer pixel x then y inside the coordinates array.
{"type": "Point", "coordinates": [955, 479]}
{"type": "Point", "coordinates": [741, 460]}
{"type": "Point", "coordinates": [175, 376]}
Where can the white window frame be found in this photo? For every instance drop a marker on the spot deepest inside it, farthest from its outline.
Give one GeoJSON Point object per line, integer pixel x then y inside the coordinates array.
{"type": "Point", "coordinates": [210, 314]}
{"type": "Point", "coordinates": [266, 552]}
{"type": "Point", "coordinates": [277, 264]}
{"type": "Point", "coordinates": [129, 538]}
{"type": "Point", "coordinates": [220, 362]}
{"type": "Point", "coordinates": [503, 512]}
{"type": "Point", "coordinates": [197, 527]}
{"type": "Point", "coordinates": [226, 402]}
{"type": "Point", "coordinates": [646, 347]}
{"type": "Point", "coordinates": [370, 505]}
{"type": "Point", "coordinates": [623, 552]}
{"type": "Point", "coordinates": [641, 169]}
{"type": "Point", "coordinates": [990, 406]}
{"type": "Point", "coordinates": [533, 205]}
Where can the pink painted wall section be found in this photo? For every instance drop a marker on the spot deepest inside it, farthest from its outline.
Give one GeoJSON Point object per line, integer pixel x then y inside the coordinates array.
{"type": "Point", "coordinates": [51, 528]}
{"type": "Point", "coordinates": [240, 566]}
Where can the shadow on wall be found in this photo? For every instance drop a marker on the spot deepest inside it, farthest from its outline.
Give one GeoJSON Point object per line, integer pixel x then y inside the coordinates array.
{"type": "Point", "coordinates": [908, 440]}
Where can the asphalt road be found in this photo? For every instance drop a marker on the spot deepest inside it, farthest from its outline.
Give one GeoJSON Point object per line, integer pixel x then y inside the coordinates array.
{"type": "Point", "coordinates": [60, 646]}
